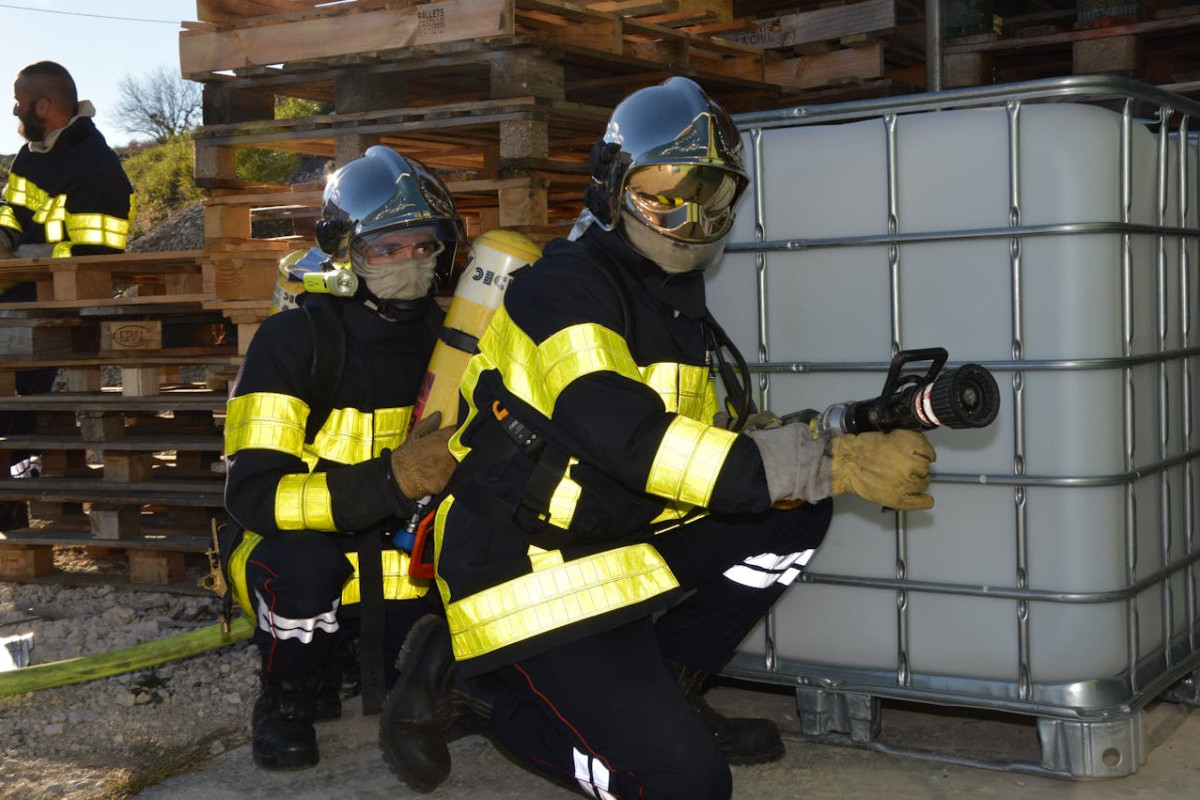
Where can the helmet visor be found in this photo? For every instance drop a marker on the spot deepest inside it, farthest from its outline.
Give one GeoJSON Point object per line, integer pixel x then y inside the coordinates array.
{"type": "Point", "coordinates": [687, 202]}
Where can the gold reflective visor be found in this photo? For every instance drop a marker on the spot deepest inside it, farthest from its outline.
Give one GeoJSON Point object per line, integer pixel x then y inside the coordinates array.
{"type": "Point", "coordinates": [687, 202]}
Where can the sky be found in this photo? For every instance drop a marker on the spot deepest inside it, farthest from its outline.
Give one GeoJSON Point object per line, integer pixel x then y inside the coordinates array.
{"type": "Point", "coordinates": [98, 42]}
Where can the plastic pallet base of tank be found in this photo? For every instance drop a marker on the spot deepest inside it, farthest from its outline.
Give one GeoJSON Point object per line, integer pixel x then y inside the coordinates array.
{"type": "Point", "coordinates": [1110, 748]}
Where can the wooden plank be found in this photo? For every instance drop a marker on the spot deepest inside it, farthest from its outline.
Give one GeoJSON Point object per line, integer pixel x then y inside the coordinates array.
{"type": "Point", "coordinates": [872, 16]}
{"type": "Point", "coordinates": [22, 563]}
{"type": "Point", "coordinates": [131, 334]}
{"type": "Point", "coordinates": [156, 568]}
{"type": "Point", "coordinates": [63, 535]}
{"type": "Point", "coordinates": [225, 10]}
{"type": "Point", "coordinates": [115, 402]}
{"type": "Point", "coordinates": [166, 492]}
{"type": "Point", "coordinates": [342, 35]}
{"type": "Point", "coordinates": [810, 72]}
{"type": "Point", "coordinates": [156, 443]}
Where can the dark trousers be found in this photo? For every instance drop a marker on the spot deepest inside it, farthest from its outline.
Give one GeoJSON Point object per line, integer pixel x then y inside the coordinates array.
{"type": "Point", "coordinates": [605, 714]}
{"type": "Point", "coordinates": [295, 585]}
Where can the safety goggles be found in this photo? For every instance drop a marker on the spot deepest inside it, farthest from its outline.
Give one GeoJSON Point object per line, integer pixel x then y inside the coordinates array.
{"type": "Point", "coordinates": [688, 202]}
{"type": "Point", "coordinates": [396, 246]}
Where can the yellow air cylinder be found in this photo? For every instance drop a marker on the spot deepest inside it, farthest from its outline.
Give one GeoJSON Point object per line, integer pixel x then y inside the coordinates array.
{"type": "Point", "coordinates": [493, 257]}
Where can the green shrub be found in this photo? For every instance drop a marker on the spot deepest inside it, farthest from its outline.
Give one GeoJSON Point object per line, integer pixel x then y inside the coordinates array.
{"type": "Point", "coordinates": [277, 166]}
{"type": "Point", "coordinates": [163, 180]}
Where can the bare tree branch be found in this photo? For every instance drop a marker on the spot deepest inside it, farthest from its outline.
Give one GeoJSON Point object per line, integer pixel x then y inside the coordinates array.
{"type": "Point", "coordinates": [160, 105]}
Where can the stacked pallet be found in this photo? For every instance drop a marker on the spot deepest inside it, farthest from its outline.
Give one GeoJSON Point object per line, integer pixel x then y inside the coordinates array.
{"type": "Point", "coordinates": [1157, 42]}
{"type": "Point", "coordinates": [127, 450]}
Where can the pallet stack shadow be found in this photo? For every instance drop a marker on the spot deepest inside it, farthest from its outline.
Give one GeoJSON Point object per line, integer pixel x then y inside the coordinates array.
{"type": "Point", "coordinates": [131, 469]}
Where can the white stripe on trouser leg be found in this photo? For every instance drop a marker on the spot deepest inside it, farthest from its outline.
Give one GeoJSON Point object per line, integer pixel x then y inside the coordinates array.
{"type": "Point", "coordinates": [761, 571]}
{"type": "Point", "coordinates": [592, 775]}
{"type": "Point", "coordinates": [286, 628]}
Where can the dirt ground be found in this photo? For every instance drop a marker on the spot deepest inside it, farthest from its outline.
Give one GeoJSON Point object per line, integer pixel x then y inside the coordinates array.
{"type": "Point", "coordinates": [180, 731]}
{"type": "Point", "coordinates": [110, 738]}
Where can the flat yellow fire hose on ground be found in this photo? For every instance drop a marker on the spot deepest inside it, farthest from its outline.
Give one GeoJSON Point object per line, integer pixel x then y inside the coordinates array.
{"type": "Point", "coordinates": [103, 665]}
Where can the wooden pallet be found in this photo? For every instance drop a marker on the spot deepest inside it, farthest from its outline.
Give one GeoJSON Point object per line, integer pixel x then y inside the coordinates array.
{"type": "Point", "coordinates": [1162, 50]}
{"type": "Point", "coordinates": [361, 29]}
{"type": "Point", "coordinates": [77, 282]}
{"type": "Point", "coordinates": [155, 560]}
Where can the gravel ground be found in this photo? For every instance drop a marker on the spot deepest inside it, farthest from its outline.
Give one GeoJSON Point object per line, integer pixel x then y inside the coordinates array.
{"type": "Point", "coordinates": [111, 737]}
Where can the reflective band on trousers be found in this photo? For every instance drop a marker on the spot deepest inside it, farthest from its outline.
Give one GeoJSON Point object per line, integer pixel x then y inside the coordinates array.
{"type": "Point", "coordinates": [767, 569]}
{"type": "Point", "coordinates": [281, 627]}
{"type": "Point", "coordinates": [396, 583]}
{"type": "Point", "coordinates": [555, 597]}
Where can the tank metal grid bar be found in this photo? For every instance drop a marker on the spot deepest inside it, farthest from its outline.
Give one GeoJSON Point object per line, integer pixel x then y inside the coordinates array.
{"type": "Point", "coordinates": [1173, 356]}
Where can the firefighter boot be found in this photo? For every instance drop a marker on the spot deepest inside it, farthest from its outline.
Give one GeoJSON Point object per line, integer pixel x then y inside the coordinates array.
{"type": "Point", "coordinates": [329, 692]}
{"type": "Point", "coordinates": [427, 708]}
{"type": "Point", "coordinates": [742, 740]}
{"type": "Point", "coordinates": [282, 723]}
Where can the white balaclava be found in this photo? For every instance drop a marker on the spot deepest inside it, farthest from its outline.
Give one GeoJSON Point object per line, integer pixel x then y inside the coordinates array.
{"type": "Point", "coordinates": [399, 280]}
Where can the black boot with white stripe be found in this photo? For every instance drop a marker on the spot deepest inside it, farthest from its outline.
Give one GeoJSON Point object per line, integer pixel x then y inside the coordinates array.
{"type": "Point", "coordinates": [742, 740]}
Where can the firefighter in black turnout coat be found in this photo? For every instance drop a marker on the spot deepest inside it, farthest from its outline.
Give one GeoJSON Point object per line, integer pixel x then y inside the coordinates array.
{"type": "Point", "coordinates": [322, 468]}
{"type": "Point", "coordinates": [606, 543]}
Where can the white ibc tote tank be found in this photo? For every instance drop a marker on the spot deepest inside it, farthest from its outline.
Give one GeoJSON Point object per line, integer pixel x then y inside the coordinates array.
{"type": "Point", "coordinates": [1047, 241]}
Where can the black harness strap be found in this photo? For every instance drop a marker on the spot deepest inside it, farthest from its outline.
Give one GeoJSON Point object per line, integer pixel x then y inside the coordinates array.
{"type": "Point", "coordinates": [371, 622]}
{"type": "Point", "coordinates": [329, 358]}
{"type": "Point", "coordinates": [325, 377]}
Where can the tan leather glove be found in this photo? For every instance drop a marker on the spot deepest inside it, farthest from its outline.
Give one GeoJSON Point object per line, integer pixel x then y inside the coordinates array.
{"type": "Point", "coordinates": [889, 469]}
{"type": "Point", "coordinates": [423, 464]}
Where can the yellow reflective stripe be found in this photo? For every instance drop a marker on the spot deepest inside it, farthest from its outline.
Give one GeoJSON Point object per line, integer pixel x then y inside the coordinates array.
{"type": "Point", "coordinates": [565, 498]}
{"type": "Point", "coordinates": [478, 364]}
{"type": "Point", "coordinates": [61, 226]}
{"type": "Point", "coordinates": [541, 559]}
{"type": "Point", "coordinates": [237, 570]}
{"type": "Point", "coordinates": [537, 374]}
{"type": "Point", "coordinates": [350, 436]}
{"type": "Point", "coordinates": [97, 229]}
{"type": "Point", "coordinates": [688, 460]}
{"type": "Point", "coordinates": [391, 427]}
{"type": "Point", "coordinates": [673, 510]}
{"type": "Point", "coordinates": [8, 219]}
{"type": "Point", "coordinates": [303, 501]}
{"type": "Point", "coordinates": [24, 193]}
{"type": "Point", "coordinates": [396, 583]}
{"type": "Point", "coordinates": [556, 596]}
{"type": "Point", "coordinates": [686, 389]}
{"type": "Point", "coordinates": [265, 420]}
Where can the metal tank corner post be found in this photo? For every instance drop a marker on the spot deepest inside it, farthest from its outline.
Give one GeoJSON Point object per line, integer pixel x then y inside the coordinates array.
{"type": "Point", "coordinates": [1048, 231]}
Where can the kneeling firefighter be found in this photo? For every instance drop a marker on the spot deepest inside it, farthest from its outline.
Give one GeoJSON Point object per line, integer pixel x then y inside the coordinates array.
{"type": "Point", "coordinates": [606, 542]}
{"type": "Point", "coordinates": [322, 466]}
